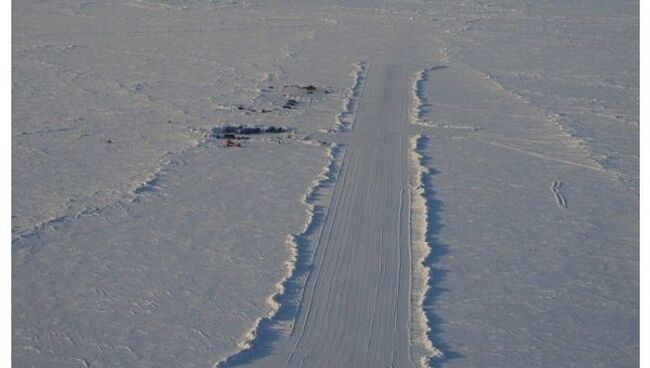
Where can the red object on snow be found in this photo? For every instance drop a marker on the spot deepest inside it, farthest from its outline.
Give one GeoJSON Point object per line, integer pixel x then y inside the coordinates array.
{"type": "Point", "coordinates": [230, 143]}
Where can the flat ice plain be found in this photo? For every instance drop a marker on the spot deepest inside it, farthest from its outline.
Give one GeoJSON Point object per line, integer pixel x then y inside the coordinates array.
{"type": "Point", "coordinates": [460, 189]}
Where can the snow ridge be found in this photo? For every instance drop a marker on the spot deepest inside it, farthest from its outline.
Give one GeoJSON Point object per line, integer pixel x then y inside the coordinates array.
{"type": "Point", "coordinates": [421, 105]}
{"type": "Point", "coordinates": [345, 118]}
{"type": "Point", "coordinates": [83, 207]}
{"type": "Point", "coordinates": [134, 189]}
{"type": "Point", "coordinates": [423, 349]}
{"type": "Point", "coordinates": [559, 197]}
{"type": "Point", "coordinates": [560, 121]}
{"type": "Point", "coordinates": [283, 303]}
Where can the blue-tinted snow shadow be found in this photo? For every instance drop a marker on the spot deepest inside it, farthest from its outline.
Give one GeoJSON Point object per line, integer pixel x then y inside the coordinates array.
{"type": "Point", "coordinates": [269, 330]}
{"type": "Point", "coordinates": [424, 107]}
{"type": "Point", "coordinates": [438, 251]}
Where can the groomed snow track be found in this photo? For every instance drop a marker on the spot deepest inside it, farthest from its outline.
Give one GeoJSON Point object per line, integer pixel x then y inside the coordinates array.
{"type": "Point", "coordinates": [356, 306]}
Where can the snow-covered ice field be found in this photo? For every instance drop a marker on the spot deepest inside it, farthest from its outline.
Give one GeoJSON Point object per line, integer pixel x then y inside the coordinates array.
{"type": "Point", "coordinates": [456, 183]}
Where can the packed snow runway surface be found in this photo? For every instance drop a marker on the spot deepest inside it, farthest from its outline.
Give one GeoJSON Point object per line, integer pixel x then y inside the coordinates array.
{"type": "Point", "coordinates": [453, 184]}
{"type": "Point", "coordinates": [355, 307]}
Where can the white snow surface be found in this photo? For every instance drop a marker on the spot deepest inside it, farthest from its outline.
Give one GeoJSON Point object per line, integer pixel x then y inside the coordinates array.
{"type": "Point", "coordinates": [459, 189]}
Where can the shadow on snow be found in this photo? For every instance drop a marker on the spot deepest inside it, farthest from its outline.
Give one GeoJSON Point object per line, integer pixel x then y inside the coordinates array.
{"type": "Point", "coordinates": [438, 251]}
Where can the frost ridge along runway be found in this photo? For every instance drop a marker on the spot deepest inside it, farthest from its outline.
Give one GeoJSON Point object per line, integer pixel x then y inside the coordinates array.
{"type": "Point", "coordinates": [355, 309]}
